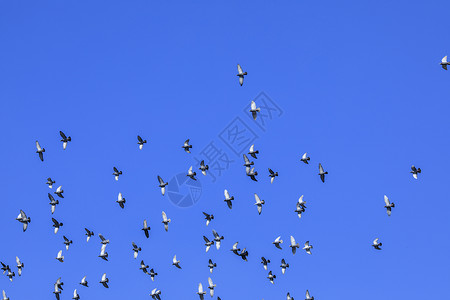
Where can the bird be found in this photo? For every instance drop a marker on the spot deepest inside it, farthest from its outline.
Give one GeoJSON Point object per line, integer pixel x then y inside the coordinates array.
{"type": "Point", "coordinates": [22, 218]}
{"type": "Point", "coordinates": [103, 254]}
{"type": "Point", "coordinates": [53, 202]}
{"type": "Point", "coordinates": [208, 243]}
{"type": "Point", "coordinates": [136, 250]}
{"type": "Point", "coordinates": [253, 152]}
{"type": "Point", "coordinates": [20, 266]}
{"type": "Point", "coordinates": [59, 192]}
{"type": "Point", "coordinates": [376, 245]}
{"type": "Point", "coordinates": [265, 261]}
{"type": "Point", "coordinates": [165, 221]}
{"type": "Point", "coordinates": [4, 267]}
{"type": "Point", "coordinates": [211, 287]}
{"type": "Point", "coordinates": [59, 283]}
{"type": "Point", "coordinates": [191, 174]}
{"type": "Point", "coordinates": [307, 247]}
{"type": "Point", "coordinates": [203, 167]}
{"type": "Point", "coordinates": [259, 203]}
{"type": "Point", "coordinates": [4, 295]}
{"type": "Point", "coordinates": [84, 282]}
{"type": "Point", "coordinates": [60, 257]}
{"type": "Point", "coordinates": [308, 297]}
{"type": "Point", "coordinates": [272, 175]}
{"type": "Point", "coordinates": [277, 242]}
{"type": "Point", "coordinates": [388, 206]}
{"type": "Point", "coordinates": [146, 229]}
{"type": "Point", "coordinates": [444, 63]}
{"type": "Point", "coordinates": [200, 292]}
{"type": "Point", "coordinates": [271, 277]}
{"type": "Point", "coordinates": [217, 239]}
{"type": "Point", "coordinates": [57, 291]}
{"type": "Point", "coordinates": [162, 185]}
{"type": "Point", "coordinates": [415, 171]}
{"type": "Point", "coordinates": [176, 262]}
{"type": "Point", "coordinates": [10, 275]}
{"type": "Point", "coordinates": [244, 254]}
{"type": "Point", "coordinates": [294, 245]}
{"type": "Point", "coordinates": [40, 151]}
{"type": "Point", "coordinates": [121, 200]}
{"type": "Point", "coordinates": [322, 173]}
{"type": "Point", "coordinates": [208, 218]}
{"type": "Point", "coordinates": [247, 162]}
{"type": "Point", "coordinates": [288, 297]}
{"type": "Point", "coordinates": [211, 265]}
{"type": "Point", "coordinates": [186, 146]}
{"type": "Point", "coordinates": [283, 266]}
{"type": "Point", "coordinates": [254, 110]}
{"type": "Point", "coordinates": [67, 242]}
{"type": "Point", "coordinates": [104, 280]}
{"type": "Point", "coordinates": [251, 173]}
{"type": "Point", "coordinates": [75, 295]}
{"type": "Point", "coordinates": [103, 240]}
{"type": "Point", "coordinates": [57, 225]}
{"type": "Point", "coordinates": [301, 202]}
{"type": "Point", "coordinates": [300, 207]}
{"type": "Point", "coordinates": [153, 274]}
{"type": "Point", "coordinates": [50, 182]}
{"type": "Point", "coordinates": [65, 139]}
{"type": "Point", "coordinates": [241, 74]}
{"type": "Point", "coordinates": [305, 158]}
{"type": "Point", "coordinates": [88, 234]}
{"type": "Point", "coordinates": [116, 173]}
{"type": "Point", "coordinates": [141, 142]}
{"type": "Point", "coordinates": [235, 249]}
{"type": "Point", "coordinates": [155, 294]}
{"type": "Point", "coordinates": [143, 267]}
{"type": "Point", "coordinates": [228, 199]}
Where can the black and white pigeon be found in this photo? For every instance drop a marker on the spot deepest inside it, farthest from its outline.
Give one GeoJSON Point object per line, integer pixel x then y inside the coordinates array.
{"type": "Point", "coordinates": [146, 229]}
{"type": "Point", "coordinates": [4, 267]}
{"type": "Point", "coordinates": [307, 247]}
{"type": "Point", "coordinates": [241, 74]}
{"type": "Point", "coordinates": [272, 175]}
{"type": "Point", "coordinates": [10, 275]}
{"type": "Point", "coordinates": [136, 250]}
{"type": "Point", "coordinates": [251, 173]}
{"type": "Point", "coordinates": [104, 281]}
{"type": "Point", "coordinates": [376, 244]}
{"type": "Point", "coordinates": [235, 249]}
{"type": "Point", "coordinates": [254, 110]}
{"type": "Point", "coordinates": [67, 242]}
{"type": "Point", "coordinates": [50, 182]}
{"type": "Point", "coordinates": [57, 291]}
{"type": "Point", "coordinates": [300, 207]}
{"type": "Point", "coordinates": [121, 200]}
{"type": "Point", "coordinates": [104, 241]}
{"type": "Point", "coordinates": [165, 221]}
{"type": "Point", "coordinates": [201, 293]}
{"type": "Point", "coordinates": [259, 203]}
{"type": "Point", "coordinates": [4, 295]}
{"type": "Point", "coordinates": [191, 174]}
{"type": "Point", "coordinates": [22, 218]}
{"type": "Point", "coordinates": [84, 282]}
{"type": "Point", "coordinates": [116, 173]}
{"type": "Point", "coordinates": [59, 256]}
{"type": "Point", "coordinates": [162, 185]}
{"type": "Point", "coordinates": [143, 267]}
{"type": "Point", "coordinates": [203, 167]}
{"type": "Point", "coordinates": [59, 192]}
{"type": "Point", "coordinates": [141, 142]}
{"type": "Point", "coordinates": [103, 254]}
{"type": "Point", "coordinates": [155, 294]}
{"type": "Point", "coordinates": [217, 239]}
{"type": "Point", "coordinates": [388, 205]}
{"type": "Point", "coordinates": [211, 287]}
{"type": "Point", "coordinates": [322, 173]}
{"type": "Point", "coordinates": [152, 274]}
{"type": "Point", "coordinates": [88, 234]}
{"type": "Point", "coordinates": [228, 199]}
{"type": "Point", "coordinates": [244, 254]}
{"type": "Point", "coordinates": [186, 146]}
{"type": "Point", "coordinates": [294, 245]}
{"type": "Point", "coordinates": [208, 218]}
{"type": "Point", "coordinates": [288, 297]}
{"type": "Point", "coordinates": [252, 151]}
{"type": "Point", "coordinates": [208, 243]}
{"type": "Point", "coordinates": [265, 261]}
{"type": "Point", "coordinates": [444, 63]}
{"type": "Point", "coordinates": [40, 151]}
{"type": "Point", "coordinates": [57, 225]}
{"type": "Point", "coordinates": [75, 295]}
{"type": "Point", "coordinates": [278, 241]}
{"type": "Point", "coordinates": [305, 158]}
{"type": "Point", "coordinates": [271, 277]}
{"type": "Point", "coordinates": [53, 202]}
{"type": "Point", "coordinates": [415, 171]}
{"type": "Point", "coordinates": [176, 262]}
{"type": "Point", "coordinates": [19, 266]}
{"type": "Point", "coordinates": [59, 283]}
{"type": "Point", "coordinates": [64, 139]}
{"type": "Point", "coordinates": [283, 266]}
{"type": "Point", "coordinates": [211, 265]}
{"type": "Point", "coordinates": [247, 162]}
{"type": "Point", "coordinates": [308, 297]}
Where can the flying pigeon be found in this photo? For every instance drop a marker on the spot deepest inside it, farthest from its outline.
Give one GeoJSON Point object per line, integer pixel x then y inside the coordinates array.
{"type": "Point", "coordinates": [305, 158]}
{"type": "Point", "coordinates": [308, 297]}
{"type": "Point", "coordinates": [59, 191]}
{"type": "Point", "coordinates": [116, 173]}
{"type": "Point", "coordinates": [53, 202]}
{"type": "Point", "coordinates": [136, 250]}
{"type": "Point", "coordinates": [84, 282]}
{"type": "Point", "coordinates": [40, 151]}
{"type": "Point", "coordinates": [4, 295]}
{"type": "Point", "coordinates": [4, 267]}
{"type": "Point", "coordinates": [57, 291]}
{"type": "Point", "coordinates": [322, 173]}
{"type": "Point", "coordinates": [389, 205]}
{"type": "Point", "coordinates": [288, 297]}
{"type": "Point", "coordinates": [272, 175]}
{"type": "Point", "coordinates": [56, 224]}
{"type": "Point", "coordinates": [254, 110]}
{"type": "Point", "coordinates": [141, 142]}
{"type": "Point", "coordinates": [277, 242]}
{"type": "Point", "coordinates": [251, 173]}
{"type": "Point", "coordinates": [252, 151]}
{"type": "Point", "coordinates": [217, 239]}
{"type": "Point", "coordinates": [50, 182]}
{"type": "Point", "coordinates": [104, 241]}
{"type": "Point", "coordinates": [146, 228]}
{"type": "Point", "coordinates": [247, 162]}
{"type": "Point", "coordinates": [211, 265]}
{"type": "Point", "coordinates": [67, 242]}
{"type": "Point", "coordinates": [235, 249]}
{"type": "Point", "coordinates": [176, 262]}
{"type": "Point", "coordinates": [444, 63]}
{"type": "Point", "coordinates": [103, 254]}
{"type": "Point", "coordinates": [307, 247]}
{"type": "Point", "coordinates": [88, 234]}
{"type": "Point", "coordinates": [244, 254]}
{"type": "Point", "coordinates": [104, 280]}
{"type": "Point", "coordinates": [75, 295]}
{"type": "Point", "coordinates": [294, 245]}
{"type": "Point", "coordinates": [208, 218]}
{"type": "Point", "coordinates": [10, 275]}
{"type": "Point", "coordinates": [155, 294]}
{"type": "Point", "coordinates": [283, 266]}
{"type": "Point", "coordinates": [121, 200]}
{"type": "Point", "coordinates": [191, 174]}
{"type": "Point", "coordinates": [377, 245]}
{"type": "Point", "coordinates": [300, 207]}
{"type": "Point", "coordinates": [143, 267]}
{"type": "Point", "coordinates": [65, 139]}
{"type": "Point", "coordinates": [271, 277]}
{"type": "Point", "coordinates": [186, 146]}
{"type": "Point", "coordinates": [265, 261]}
{"type": "Point", "coordinates": [153, 274]}
{"type": "Point", "coordinates": [228, 199]}
{"type": "Point", "coordinates": [22, 218]}
{"type": "Point", "coordinates": [259, 203]}
{"type": "Point", "coordinates": [415, 171]}
{"type": "Point", "coordinates": [200, 292]}
{"type": "Point", "coordinates": [162, 185]}
{"type": "Point", "coordinates": [60, 257]}
{"type": "Point", "coordinates": [59, 283]}
{"type": "Point", "coordinates": [165, 221]}
{"type": "Point", "coordinates": [241, 74]}
{"type": "Point", "coordinates": [19, 266]}
{"type": "Point", "coordinates": [211, 287]}
{"type": "Point", "coordinates": [203, 167]}
{"type": "Point", "coordinates": [208, 243]}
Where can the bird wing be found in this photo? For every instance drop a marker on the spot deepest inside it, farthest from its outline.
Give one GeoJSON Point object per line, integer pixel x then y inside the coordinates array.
{"type": "Point", "coordinates": [307, 294]}
{"type": "Point", "coordinates": [59, 254]}
{"type": "Point", "coordinates": [119, 197]}
{"type": "Point", "coordinates": [259, 209]}
{"type": "Point", "coordinates": [386, 200]}
{"type": "Point", "coordinates": [104, 277]}
{"type": "Point", "coordinates": [444, 59]}
{"type": "Point", "coordinates": [174, 260]}
{"type": "Point", "coordinates": [200, 288]}
{"type": "Point", "coordinates": [59, 189]}
{"type": "Point", "coordinates": [139, 139]}
{"type": "Point", "coordinates": [17, 260]}
{"type": "Point", "coordinates": [210, 282]}
{"type": "Point", "coordinates": [161, 181]}
{"type": "Point", "coordinates": [235, 245]}
{"type": "Point", "coordinates": [55, 222]}
{"type": "Point", "coordinates": [239, 69]}
{"type": "Point", "coordinates": [62, 135]}
{"type": "Point", "coordinates": [252, 147]}
{"type": "Point", "coordinates": [253, 105]}
{"type": "Point", "coordinates": [164, 216]}
{"type": "Point", "coordinates": [246, 160]}
{"type": "Point", "coordinates": [278, 239]}
{"type": "Point", "coordinates": [320, 168]}
{"type": "Point", "coordinates": [375, 241]}
{"type": "Point", "coordinates": [38, 147]}
{"type": "Point", "coordinates": [215, 233]}
{"type": "Point", "coordinates": [292, 241]}
{"type": "Point", "coordinates": [258, 200]}
{"type": "Point", "coordinates": [227, 195]}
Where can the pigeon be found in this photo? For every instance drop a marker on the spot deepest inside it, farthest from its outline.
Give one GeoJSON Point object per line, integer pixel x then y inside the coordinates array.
{"type": "Point", "coordinates": [283, 266]}
{"type": "Point", "coordinates": [10, 275]}
{"type": "Point", "coordinates": [251, 173]}
{"type": "Point", "coordinates": [300, 207]}
{"type": "Point", "coordinates": [271, 277]}
{"type": "Point", "coordinates": [165, 221]}
{"type": "Point", "coordinates": [241, 74]}
{"type": "Point", "coordinates": [247, 162]}
{"type": "Point", "coordinates": [211, 287]}
{"type": "Point", "coordinates": [19, 266]}
{"type": "Point", "coordinates": [162, 185]}
{"type": "Point", "coordinates": [208, 243]}
{"type": "Point", "coordinates": [84, 282]}
{"type": "Point", "coordinates": [301, 202]}
{"type": "Point", "coordinates": [136, 250]}
{"type": "Point", "coordinates": [288, 297]}
{"type": "Point", "coordinates": [40, 151]}
{"type": "Point", "coordinates": [265, 261]}
{"type": "Point", "coordinates": [103, 254]}
{"type": "Point", "coordinates": [322, 173]}
{"type": "Point", "coordinates": [252, 151]}
{"type": "Point", "coordinates": [259, 203]}
{"type": "Point", "coordinates": [104, 241]}
{"type": "Point", "coordinates": [244, 254]}
{"type": "Point", "coordinates": [104, 281]}
{"type": "Point", "coordinates": [228, 199]}
{"type": "Point", "coordinates": [59, 283]}
{"type": "Point", "coordinates": [67, 242]}
{"type": "Point", "coordinates": [22, 218]}
{"type": "Point", "coordinates": [208, 218]}
{"type": "Point", "coordinates": [176, 262]}
{"type": "Point", "coordinates": [200, 292]}
{"type": "Point", "coordinates": [377, 245]}
{"type": "Point", "coordinates": [186, 146]}
{"type": "Point", "coordinates": [307, 247]}
{"type": "Point", "coordinates": [305, 158]}
{"type": "Point", "coordinates": [235, 249]}
{"type": "Point", "coordinates": [59, 192]}
{"type": "Point", "coordinates": [75, 295]}
{"type": "Point", "coordinates": [50, 182]}
{"type": "Point", "coordinates": [143, 267]}
{"type": "Point", "coordinates": [254, 110]}
{"type": "Point", "coordinates": [211, 265]}
{"type": "Point", "coordinates": [277, 242]}
{"type": "Point", "coordinates": [272, 175]}
{"type": "Point", "coordinates": [444, 63]}
{"type": "Point", "coordinates": [389, 205]}
{"type": "Point", "coordinates": [4, 267]}
{"type": "Point", "coordinates": [141, 142]}
{"type": "Point", "coordinates": [153, 274]}
{"type": "Point", "coordinates": [308, 297]}
{"type": "Point", "coordinates": [57, 291]}
{"type": "Point", "coordinates": [121, 200]}
{"type": "Point", "coordinates": [294, 245]}
{"type": "Point", "coordinates": [146, 228]}
{"type": "Point", "coordinates": [65, 140]}
{"type": "Point", "coordinates": [88, 234]}
{"type": "Point", "coordinates": [60, 257]}
{"type": "Point", "coordinates": [57, 225]}
{"type": "Point", "coordinates": [203, 167]}
{"type": "Point", "coordinates": [4, 295]}
{"type": "Point", "coordinates": [116, 173]}
{"type": "Point", "coordinates": [415, 171]}
{"type": "Point", "coordinates": [191, 174]}
{"type": "Point", "coordinates": [53, 202]}
{"type": "Point", "coordinates": [155, 294]}
{"type": "Point", "coordinates": [217, 239]}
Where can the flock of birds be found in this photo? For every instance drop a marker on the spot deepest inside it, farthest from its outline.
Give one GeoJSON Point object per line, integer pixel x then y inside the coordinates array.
{"type": "Point", "coordinates": [243, 253]}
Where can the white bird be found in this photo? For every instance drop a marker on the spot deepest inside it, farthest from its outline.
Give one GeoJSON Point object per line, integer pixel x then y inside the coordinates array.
{"type": "Point", "coordinates": [259, 203]}
{"type": "Point", "coordinates": [305, 158]}
{"type": "Point", "coordinates": [60, 257]}
{"type": "Point", "coordinates": [162, 185]}
{"type": "Point", "coordinates": [208, 243]}
{"type": "Point", "coordinates": [217, 239]}
{"type": "Point", "coordinates": [415, 171]}
{"type": "Point", "coordinates": [165, 221]}
{"type": "Point", "coordinates": [136, 250]}
{"type": "Point", "coordinates": [254, 110]}
{"type": "Point", "coordinates": [444, 63]}
{"type": "Point", "coordinates": [253, 152]}
{"type": "Point", "coordinates": [75, 295]}
{"type": "Point", "coordinates": [84, 282]}
{"type": "Point", "coordinates": [294, 245]}
{"type": "Point", "coordinates": [4, 296]}
{"type": "Point", "coordinates": [59, 192]}
{"type": "Point", "coordinates": [241, 74]}
{"type": "Point", "coordinates": [40, 151]}
{"type": "Point", "coordinates": [121, 200]}
{"type": "Point", "coordinates": [211, 287]}
{"type": "Point", "coordinates": [191, 174]}
{"type": "Point", "coordinates": [228, 199]}
{"type": "Point", "coordinates": [283, 266]}
{"type": "Point", "coordinates": [186, 146]}
{"type": "Point", "coordinates": [277, 242]}
{"type": "Point", "coordinates": [271, 277]}
{"type": "Point", "coordinates": [307, 247]}
{"type": "Point", "coordinates": [377, 245]}
{"type": "Point", "coordinates": [141, 142]}
{"type": "Point", "coordinates": [176, 262]}
{"type": "Point", "coordinates": [104, 280]}
{"type": "Point", "coordinates": [308, 297]}
{"type": "Point", "coordinates": [288, 297]}
{"type": "Point", "coordinates": [388, 205]}
{"type": "Point", "coordinates": [64, 139]}
{"type": "Point", "coordinates": [22, 218]}
{"type": "Point", "coordinates": [19, 266]}
{"type": "Point", "coordinates": [155, 294]}
{"type": "Point", "coordinates": [103, 254]}
{"type": "Point", "coordinates": [200, 292]}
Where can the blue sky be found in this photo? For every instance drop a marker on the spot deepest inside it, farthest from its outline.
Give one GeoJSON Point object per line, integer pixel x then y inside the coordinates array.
{"type": "Point", "coordinates": [360, 89]}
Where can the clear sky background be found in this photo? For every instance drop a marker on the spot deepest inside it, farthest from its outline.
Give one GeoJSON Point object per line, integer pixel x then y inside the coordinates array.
{"type": "Point", "coordinates": [360, 89]}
